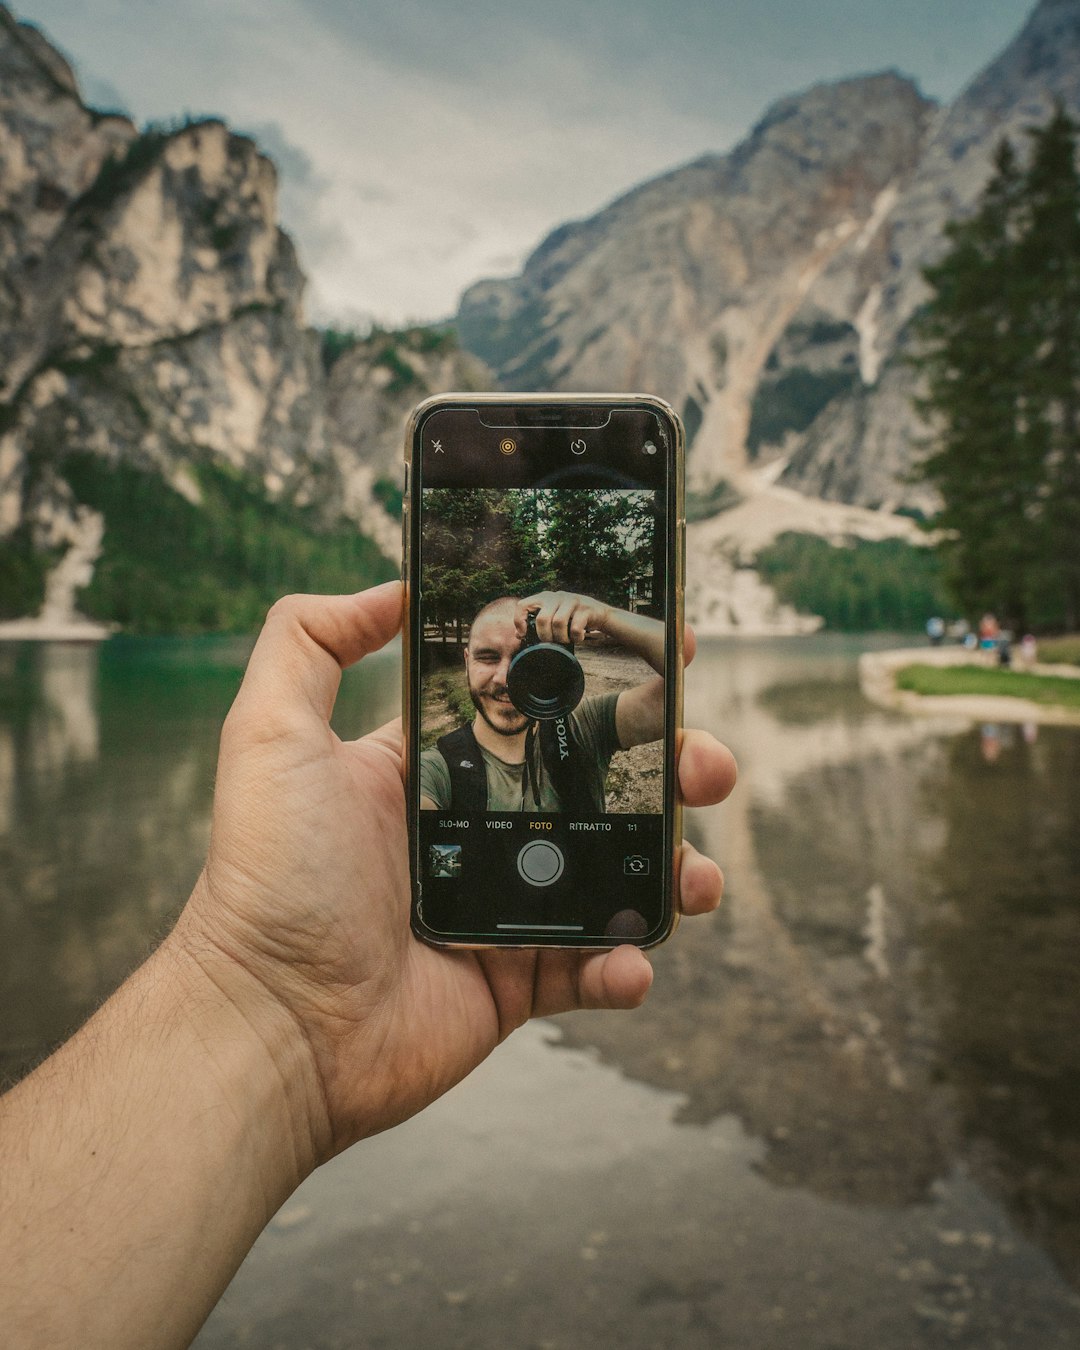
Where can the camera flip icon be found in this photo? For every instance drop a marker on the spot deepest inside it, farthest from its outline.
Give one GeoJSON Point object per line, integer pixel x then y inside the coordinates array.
{"type": "Point", "coordinates": [635, 865]}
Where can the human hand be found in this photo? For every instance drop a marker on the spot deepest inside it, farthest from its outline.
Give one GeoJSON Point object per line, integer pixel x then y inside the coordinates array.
{"type": "Point", "coordinates": [301, 914]}
{"type": "Point", "coordinates": [561, 616]}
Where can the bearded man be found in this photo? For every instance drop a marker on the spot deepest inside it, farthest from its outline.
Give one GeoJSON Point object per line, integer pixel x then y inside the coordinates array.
{"type": "Point", "coordinates": [498, 762]}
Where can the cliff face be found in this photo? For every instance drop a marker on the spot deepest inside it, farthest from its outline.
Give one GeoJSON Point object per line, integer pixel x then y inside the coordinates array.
{"type": "Point", "coordinates": [687, 286]}
{"type": "Point", "coordinates": [150, 308]}
{"type": "Point", "coordinates": [51, 149]}
{"type": "Point", "coordinates": [371, 389]}
{"type": "Point", "coordinates": [864, 445]}
{"type": "Point", "coordinates": [767, 292]}
{"type": "Point", "coordinates": [151, 318]}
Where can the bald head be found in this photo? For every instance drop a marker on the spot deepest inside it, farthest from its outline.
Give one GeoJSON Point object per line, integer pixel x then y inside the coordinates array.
{"type": "Point", "coordinates": [498, 611]}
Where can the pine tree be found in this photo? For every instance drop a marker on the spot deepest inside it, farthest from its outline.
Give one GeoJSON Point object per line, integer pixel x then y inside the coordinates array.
{"type": "Point", "coordinates": [1049, 259]}
{"type": "Point", "coordinates": [599, 542]}
{"type": "Point", "coordinates": [1000, 352]}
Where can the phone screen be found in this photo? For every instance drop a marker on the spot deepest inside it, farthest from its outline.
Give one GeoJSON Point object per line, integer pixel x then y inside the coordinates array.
{"type": "Point", "coordinates": [545, 617]}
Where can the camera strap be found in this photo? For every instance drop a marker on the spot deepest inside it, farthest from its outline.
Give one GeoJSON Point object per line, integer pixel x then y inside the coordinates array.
{"type": "Point", "coordinates": [530, 774]}
{"type": "Point", "coordinates": [564, 764]}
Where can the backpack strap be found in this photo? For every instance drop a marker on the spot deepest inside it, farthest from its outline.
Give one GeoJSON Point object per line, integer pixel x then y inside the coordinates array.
{"type": "Point", "coordinates": [468, 774]}
{"type": "Point", "coordinates": [560, 753]}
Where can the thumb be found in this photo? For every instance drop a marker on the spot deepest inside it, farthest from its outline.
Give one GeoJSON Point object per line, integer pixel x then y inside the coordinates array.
{"type": "Point", "coordinates": [306, 642]}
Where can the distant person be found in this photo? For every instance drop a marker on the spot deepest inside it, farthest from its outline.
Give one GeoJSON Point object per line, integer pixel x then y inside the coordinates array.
{"type": "Point", "coordinates": [989, 631]}
{"type": "Point", "coordinates": [935, 630]}
{"type": "Point", "coordinates": [990, 742]}
{"type": "Point", "coordinates": [1004, 650]}
{"type": "Point", "coordinates": [959, 631]}
{"type": "Point", "coordinates": [1029, 651]}
{"type": "Point", "coordinates": [289, 1013]}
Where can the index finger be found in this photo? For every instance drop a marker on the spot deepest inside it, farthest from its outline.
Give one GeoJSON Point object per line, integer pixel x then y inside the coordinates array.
{"type": "Point", "coordinates": [530, 602]}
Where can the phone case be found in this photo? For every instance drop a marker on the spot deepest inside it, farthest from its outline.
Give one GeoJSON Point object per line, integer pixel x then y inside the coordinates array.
{"type": "Point", "coordinates": [410, 708]}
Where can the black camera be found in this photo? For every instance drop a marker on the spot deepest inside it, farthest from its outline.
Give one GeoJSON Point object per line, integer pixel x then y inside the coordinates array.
{"type": "Point", "coordinates": [545, 679]}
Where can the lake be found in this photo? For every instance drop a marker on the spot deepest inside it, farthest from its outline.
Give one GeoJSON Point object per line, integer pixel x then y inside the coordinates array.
{"type": "Point", "coordinates": [848, 1115]}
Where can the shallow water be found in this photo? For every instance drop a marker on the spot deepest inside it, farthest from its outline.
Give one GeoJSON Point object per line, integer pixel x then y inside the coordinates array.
{"type": "Point", "coordinates": [849, 1113]}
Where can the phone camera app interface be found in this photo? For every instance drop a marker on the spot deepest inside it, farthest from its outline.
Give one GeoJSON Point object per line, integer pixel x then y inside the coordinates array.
{"type": "Point", "coordinates": [543, 690]}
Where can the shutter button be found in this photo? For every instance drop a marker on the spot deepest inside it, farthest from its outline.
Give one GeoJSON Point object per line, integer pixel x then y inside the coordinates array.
{"type": "Point", "coordinates": [540, 863]}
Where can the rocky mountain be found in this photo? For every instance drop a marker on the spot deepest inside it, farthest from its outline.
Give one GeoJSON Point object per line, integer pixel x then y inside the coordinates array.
{"type": "Point", "coordinates": [152, 326]}
{"type": "Point", "coordinates": [371, 389]}
{"type": "Point", "coordinates": [151, 307]}
{"type": "Point", "coordinates": [767, 292]}
{"type": "Point", "coordinates": [155, 359]}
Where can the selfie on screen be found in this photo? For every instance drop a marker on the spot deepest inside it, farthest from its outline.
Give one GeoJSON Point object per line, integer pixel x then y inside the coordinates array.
{"type": "Point", "coordinates": [534, 656]}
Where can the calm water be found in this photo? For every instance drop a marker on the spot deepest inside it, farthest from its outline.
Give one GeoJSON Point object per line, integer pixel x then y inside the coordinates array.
{"type": "Point", "coordinates": [848, 1115]}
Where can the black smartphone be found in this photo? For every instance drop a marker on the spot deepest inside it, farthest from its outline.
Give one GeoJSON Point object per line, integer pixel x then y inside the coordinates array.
{"type": "Point", "coordinates": [544, 558]}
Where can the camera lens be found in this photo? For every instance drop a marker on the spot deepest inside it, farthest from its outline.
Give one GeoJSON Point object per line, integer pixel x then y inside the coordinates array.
{"type": "Point", "coordinates": [545, 679]}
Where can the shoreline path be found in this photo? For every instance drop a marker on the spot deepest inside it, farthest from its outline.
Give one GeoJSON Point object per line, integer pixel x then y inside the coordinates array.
{"type": "Point", "coordinates": [877, 678]}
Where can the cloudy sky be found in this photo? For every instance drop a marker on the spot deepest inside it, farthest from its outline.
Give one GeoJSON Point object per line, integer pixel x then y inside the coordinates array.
{"type": "Point", "coordinates": [423, 144]}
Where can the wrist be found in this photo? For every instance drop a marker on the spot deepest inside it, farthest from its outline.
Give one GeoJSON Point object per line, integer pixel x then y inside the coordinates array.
{"type": "Point", "coordinates": [171, 1127]}
{"type": "Point", "coordinates": [255, 1046]}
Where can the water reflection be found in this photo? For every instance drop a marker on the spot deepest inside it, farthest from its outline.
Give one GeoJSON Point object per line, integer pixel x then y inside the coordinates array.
{"type": "Point", "coordinates": [877, 1036]}
{"type": "Point", "coordinates": [889, 992]}
{"type": "Point", "coordinates": [107, 758]}
{"type": "Point", "coordinates": [1002, 925]}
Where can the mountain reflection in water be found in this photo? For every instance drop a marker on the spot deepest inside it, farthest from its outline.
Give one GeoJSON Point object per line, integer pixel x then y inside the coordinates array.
{"type": "Point", "coordinates": [890, 990]}
{"type": "Point", "coordinates": [885, 1003]}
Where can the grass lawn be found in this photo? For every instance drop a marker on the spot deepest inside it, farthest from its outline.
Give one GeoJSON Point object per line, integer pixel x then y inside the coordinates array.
{"type": "Point", "coordinates": [1063, 650]}
{"type": "Point", "coordinates": [1057, 689]}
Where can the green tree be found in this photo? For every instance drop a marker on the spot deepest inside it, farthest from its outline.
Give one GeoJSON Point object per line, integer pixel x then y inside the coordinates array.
{"type": "Point", "coordinates": [1049, 261]}
{"type": "Point", "coordinates": [478, 544]}
{"type": "Point", "coordinates": [600, 541]}
{"type": "Point", "coordinates": [1000, 356]}
{"type": "Point", "coordinates": [168, 566]}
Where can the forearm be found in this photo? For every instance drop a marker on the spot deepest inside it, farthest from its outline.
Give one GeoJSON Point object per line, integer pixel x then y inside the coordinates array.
{"type": "Point", "coordinates": [639, 713]}
{"type": "Point", "coordinates": [639, 634]}
{"type": "Point", "coordinates": [143, 1159]}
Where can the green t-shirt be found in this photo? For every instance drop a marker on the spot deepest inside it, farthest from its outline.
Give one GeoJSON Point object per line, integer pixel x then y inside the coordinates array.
{"type": "Point", "coordinates": [592, 727]}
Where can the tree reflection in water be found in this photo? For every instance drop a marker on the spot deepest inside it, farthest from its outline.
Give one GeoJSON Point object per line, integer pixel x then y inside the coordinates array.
{"type": "Point", "coordinates": [889, 992]}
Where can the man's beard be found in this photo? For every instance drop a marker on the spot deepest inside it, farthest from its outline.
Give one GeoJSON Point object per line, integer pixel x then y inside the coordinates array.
{"type": "Point", "coordinates": [500, 729]}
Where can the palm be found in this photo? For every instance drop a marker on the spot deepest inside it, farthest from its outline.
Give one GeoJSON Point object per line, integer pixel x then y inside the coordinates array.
{"type": "Point", "coordinates": [444, 1011]}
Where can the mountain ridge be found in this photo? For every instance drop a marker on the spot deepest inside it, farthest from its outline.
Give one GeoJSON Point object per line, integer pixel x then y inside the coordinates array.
{"type": "Point", "coordinates": [152, 317]}
{"type": "Point", "coordinates": [708, 240]}
{"type": "Point", "coordinates": [794, 361]}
